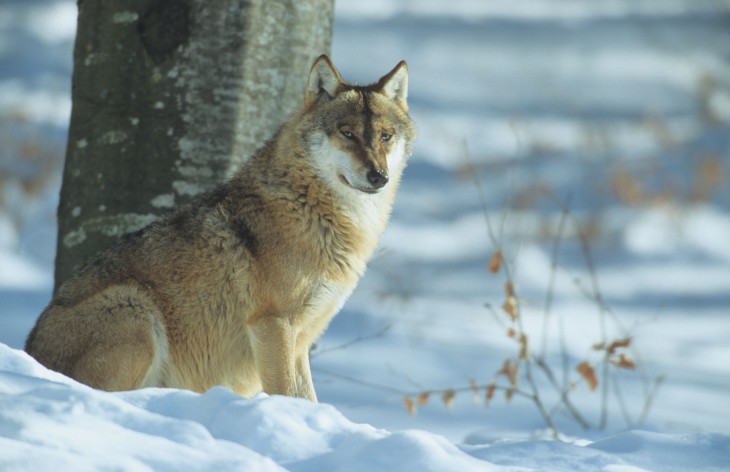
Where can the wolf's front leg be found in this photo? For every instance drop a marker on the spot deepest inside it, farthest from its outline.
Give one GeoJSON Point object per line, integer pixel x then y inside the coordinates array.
{"type": "Point", "coordinates": [273, 346]}
{"type": "Point", "coordinates": [305, 386]}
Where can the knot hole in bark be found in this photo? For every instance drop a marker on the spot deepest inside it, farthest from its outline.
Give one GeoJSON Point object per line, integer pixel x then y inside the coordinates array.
{"type": "Point", "coordinates": [164, 27]}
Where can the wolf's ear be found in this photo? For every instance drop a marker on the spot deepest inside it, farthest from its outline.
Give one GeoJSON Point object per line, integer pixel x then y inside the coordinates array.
{"type": "Point", "coordinates": [394, 85]}
{"type": "Point", "coordinates": [324, 81]}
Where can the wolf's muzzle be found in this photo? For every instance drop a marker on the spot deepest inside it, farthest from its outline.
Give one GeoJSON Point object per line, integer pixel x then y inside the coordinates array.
{"type": "Point", "coordinates": [377, 178]}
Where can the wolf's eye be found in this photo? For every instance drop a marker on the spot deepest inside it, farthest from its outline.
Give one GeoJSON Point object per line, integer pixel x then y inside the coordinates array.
{"type": "Point", "coordinates": [385, 136]}
{"type": "Point", "coordinates": [347, 134]}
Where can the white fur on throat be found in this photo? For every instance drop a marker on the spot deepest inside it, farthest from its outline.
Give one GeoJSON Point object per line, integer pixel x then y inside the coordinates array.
{"type": "Point", "coordinates": [367, 210]}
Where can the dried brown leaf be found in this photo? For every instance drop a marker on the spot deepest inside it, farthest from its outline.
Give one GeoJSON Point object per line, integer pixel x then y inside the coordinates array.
{"type": "Point", "coordinates": [612, 346]}
{"type": "Point", "coordinates": [410, 405]}
{"type": "Point", "coordinates": [623, 362]}
{"type": "Point", "coordinates": [448, 398]}
{"type": "Point", "coordinates": [710, 174]}
{"type": "Point", "coordinates": [496, 262]}
{"type": "Point", "coordinates": [476, 390]}
{"type": "Point", "coordinates": [626, 342]}
{"type": "Point", "coordinates": [510, 305]}
{"type": "Point", "coordinates": [511, 308]}
{"type": "Point", "coordinates": [627, 187]}
{"type": "Point", "coordinates": [524, 349]}
{"type": "Point", "coordinates": [511, 371]}
{"type": "Point", "coordinates": [491, 388]}
{"type": "Point", "coordinates": [586, 370]}
{"type": "Point", "coordinates": [423, 398]}
{"type": "Point", "coordinates": [508, 394]}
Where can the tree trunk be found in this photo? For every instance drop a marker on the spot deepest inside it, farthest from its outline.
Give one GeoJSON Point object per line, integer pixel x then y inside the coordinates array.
{"type": "Point", "coordinates": [168, 97]}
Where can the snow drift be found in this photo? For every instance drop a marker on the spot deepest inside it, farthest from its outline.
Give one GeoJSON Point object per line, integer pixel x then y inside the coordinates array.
{"type": "Point", "coordinates": [48, 421]}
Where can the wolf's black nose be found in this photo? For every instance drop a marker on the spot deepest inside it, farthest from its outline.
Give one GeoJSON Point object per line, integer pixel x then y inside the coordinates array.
{"type": "Point", "coordinates": [378, 178]}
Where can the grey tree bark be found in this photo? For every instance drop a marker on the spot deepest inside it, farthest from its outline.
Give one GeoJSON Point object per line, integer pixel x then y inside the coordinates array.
{"type": "Point", "coordinates": [168, 97]}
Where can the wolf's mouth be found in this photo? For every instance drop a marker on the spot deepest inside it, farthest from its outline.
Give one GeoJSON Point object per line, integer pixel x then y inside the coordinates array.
{"type": "Point", "coordinates": [371, 191]}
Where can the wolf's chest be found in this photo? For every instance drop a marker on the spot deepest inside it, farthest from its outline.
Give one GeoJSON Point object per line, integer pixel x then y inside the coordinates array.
{"type": "Point", "coordinates": [326, 299]}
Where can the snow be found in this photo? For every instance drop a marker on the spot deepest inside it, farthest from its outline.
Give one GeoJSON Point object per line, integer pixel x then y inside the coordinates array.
{"type": "Point", "coordinates": [18, 273]}
{"type": "Point", "coordinates": [614, 114]}
{"type": "Point", "coordinates": [49, 421]}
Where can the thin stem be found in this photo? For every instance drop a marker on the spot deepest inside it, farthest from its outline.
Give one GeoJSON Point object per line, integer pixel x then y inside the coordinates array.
{"type": "Point", "coordinates": [564, 397]}
{"type": "Point", "coordinates": [551, 280]}
{"type": "Point", "coordinates": [598, 298]}
{"type": "Point", "coordinates": [482, 197]}
{"type": "Point", "coordinates": [622, 403]}
{"type": "Point", "coordinates": [565, 361]}
{"type": "Point", "coordinates": [380, 333]}
{"type": "Point", "coordinates": [538, 401]}
{"type": "Point", "coordinates": [649, 400]}
{"type": "Point", "coordinates": [373, 385]}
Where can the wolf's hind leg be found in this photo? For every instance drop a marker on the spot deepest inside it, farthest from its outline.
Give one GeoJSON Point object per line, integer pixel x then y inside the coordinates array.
{"type": "Point", "coordinates": [124, 346]}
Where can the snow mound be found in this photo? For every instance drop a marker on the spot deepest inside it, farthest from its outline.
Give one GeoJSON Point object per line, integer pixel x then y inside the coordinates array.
{"type": "Point", "coordinates": [632, 451]}
{"type": "Point", "coordinates": [48, 421]}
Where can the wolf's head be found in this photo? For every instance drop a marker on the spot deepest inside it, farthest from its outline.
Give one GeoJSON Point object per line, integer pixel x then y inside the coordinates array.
{"type": "Point", "coordinates": [359, 136]}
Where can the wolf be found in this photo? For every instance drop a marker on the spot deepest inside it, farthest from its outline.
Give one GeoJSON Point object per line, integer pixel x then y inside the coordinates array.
{"type": "Point", "coordinates": [233, 288]}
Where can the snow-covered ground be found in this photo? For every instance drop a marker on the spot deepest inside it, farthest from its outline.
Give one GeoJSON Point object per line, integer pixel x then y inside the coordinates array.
{"type": "Point", "coordinates": [49, 422]}
{"type": "Point", "coordinates": [616, 111]}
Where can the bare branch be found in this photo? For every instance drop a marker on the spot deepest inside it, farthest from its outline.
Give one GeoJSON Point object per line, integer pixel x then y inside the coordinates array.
{"type": "Point", "coordinates": [318, 352]}
{"type": "Point", "coordinates": [551, 280]}
{"type": "Point", "coordinates": [564, 393]}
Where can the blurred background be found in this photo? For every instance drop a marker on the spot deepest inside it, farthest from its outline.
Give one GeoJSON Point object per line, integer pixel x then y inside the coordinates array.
{"type": "Point", "coordinates": [621, 102]}
{"type": "Point", "coordinates": [614, 112]}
